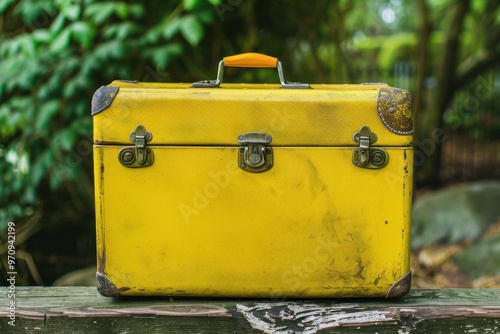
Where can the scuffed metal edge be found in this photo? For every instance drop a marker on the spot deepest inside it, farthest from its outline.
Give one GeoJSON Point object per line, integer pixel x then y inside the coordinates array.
{"type": "Point", "coordinates": [400, 288]}
{"type": "Point", "coordinates": [103, 97]}
{"type": "Point", "coordinates": [108, 288]}
{"type": "Point", "coordinates": [101, 261]}
{"type": "Point", "coordinates": [395, 110]}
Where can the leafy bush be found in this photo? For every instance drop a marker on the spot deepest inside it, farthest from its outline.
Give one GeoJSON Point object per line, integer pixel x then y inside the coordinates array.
{"type": "Point", "coordinates": [475, 108]}
{"type": "Point", "coordinates": [53, 56]}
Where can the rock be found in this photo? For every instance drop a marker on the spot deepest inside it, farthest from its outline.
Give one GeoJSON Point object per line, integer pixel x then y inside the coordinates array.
{"type": "Point", "coordinates": [80, 277]}
{"type": "Point", "coordinates": [482, 259]}
{"type": "Point", "coordinates": [455, 214]}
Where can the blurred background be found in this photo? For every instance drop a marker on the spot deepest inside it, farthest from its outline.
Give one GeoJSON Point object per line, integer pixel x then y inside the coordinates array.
{"type": "Point", "coordinates": [55, 54]}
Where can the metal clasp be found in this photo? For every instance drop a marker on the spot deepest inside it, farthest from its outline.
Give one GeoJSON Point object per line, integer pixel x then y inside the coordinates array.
{"type": "Point", "coordinates": [364, 155]}
{"type": "Point", "coordinates": [138, 155]}
{"type": "Point", "coordinates": [255, 155]}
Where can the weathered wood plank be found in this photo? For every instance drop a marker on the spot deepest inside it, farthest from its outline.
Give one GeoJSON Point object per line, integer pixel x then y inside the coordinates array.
{"type": "Point", "coordinates": [83, 310]}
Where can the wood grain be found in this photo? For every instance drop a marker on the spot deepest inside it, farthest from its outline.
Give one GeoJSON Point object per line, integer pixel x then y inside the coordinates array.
{"type": "Point", "coordinates": [83, 310]}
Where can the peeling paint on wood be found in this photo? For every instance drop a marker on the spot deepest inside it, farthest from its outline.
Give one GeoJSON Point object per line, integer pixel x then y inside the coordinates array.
{"type": "Point", "coordinates": [283, 318]}
{"type": "Point", "coordinates": [83, 310]}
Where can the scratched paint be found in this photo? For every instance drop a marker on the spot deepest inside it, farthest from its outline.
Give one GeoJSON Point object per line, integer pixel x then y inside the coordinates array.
{"type": "Point", "coordinates": [284, 318]}
{"type": "Point", "coordinates": [308, 227]}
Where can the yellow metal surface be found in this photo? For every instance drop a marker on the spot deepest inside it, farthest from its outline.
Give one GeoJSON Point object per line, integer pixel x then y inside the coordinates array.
{"type": "Point", "coordinates": [326, 115]}
{"type": "Point", "coordinates": [194, 223]}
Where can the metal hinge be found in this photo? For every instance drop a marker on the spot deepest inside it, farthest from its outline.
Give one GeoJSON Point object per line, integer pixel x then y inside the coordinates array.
{"type": "Point", "coordinates": [139, 155]}
{"type": "Point", "coordinates": [254, 154]}
{"type": "Point", "coordinates": [364, 155]}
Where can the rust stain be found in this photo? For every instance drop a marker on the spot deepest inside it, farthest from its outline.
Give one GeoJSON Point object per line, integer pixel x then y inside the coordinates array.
{"type": "Point", "coordinates": [101, 262]}
{"type": "Point", "coordinates": [101, 259]}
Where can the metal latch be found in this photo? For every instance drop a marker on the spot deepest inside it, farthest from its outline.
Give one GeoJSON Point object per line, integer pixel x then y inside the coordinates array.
{"type": "Point", "coordinates": [366, 156]}
{"type": "Point", "coordinates": [138, 155]}
{"type": "Point", "coordinates": [254, 154]}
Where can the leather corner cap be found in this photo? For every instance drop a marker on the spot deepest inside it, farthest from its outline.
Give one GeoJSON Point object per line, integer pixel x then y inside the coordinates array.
{"type": "Point", "coordinates": [400, 288]}
{"type": "Point", "coordinates": [103, 97]}
{"type": "Point", "coordinates": [395, 110]}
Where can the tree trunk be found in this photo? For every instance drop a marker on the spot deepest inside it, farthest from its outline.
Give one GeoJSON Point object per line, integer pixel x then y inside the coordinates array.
{"type": "Point", "coordinates": [429, 124]}
{"type": "Point", "coordinates": [422, 57]}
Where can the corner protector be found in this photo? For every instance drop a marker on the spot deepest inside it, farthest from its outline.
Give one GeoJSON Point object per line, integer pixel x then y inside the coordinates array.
{"type": "Point", "coordinates": [400, 288]}
{"type": "Point", "coordinates": [103, 97]}
{"type": "Point", "coordinates": [395, 110]}
{"type": "Point", "coordinates": [106, 287]}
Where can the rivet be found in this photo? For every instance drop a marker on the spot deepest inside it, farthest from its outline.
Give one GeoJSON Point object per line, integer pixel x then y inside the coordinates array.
{"type": "Point", "coordinates": [241, 137]}
{"type": "Point", "coordinates": [242, 165]}
{"type": "Point", "coordinates": [391, 110]}
{"type": "Point", "coordinates": [378, 158]}
{"type": "Point", "coordinates": [128, 157]}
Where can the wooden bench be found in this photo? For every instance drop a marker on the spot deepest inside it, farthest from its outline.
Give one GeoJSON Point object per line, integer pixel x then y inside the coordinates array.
{"type": "Point", "coordinates": [83, 310]}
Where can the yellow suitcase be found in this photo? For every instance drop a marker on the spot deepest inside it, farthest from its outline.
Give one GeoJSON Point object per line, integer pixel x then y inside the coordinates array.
{"type": "Point", "coordinates": [252, 190]}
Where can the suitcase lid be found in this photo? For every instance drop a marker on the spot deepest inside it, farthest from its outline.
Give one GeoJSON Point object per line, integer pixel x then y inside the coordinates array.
{"type": "Point", "coordinates": [292, 114]}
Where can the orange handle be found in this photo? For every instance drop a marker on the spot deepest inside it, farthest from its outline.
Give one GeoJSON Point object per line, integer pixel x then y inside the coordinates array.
{"type": "Point", "coordinates": [251, 59]}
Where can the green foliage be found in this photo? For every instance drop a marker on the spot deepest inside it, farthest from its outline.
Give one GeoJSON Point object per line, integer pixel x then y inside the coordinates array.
{"type": "Point", "coordinates": [53, 55]}
{"type": "Point", "coordinates": [192, 29]}
{"type": "Point", "coordinates": [390, 49]}
{"type": "Point", "coordinates": [475, 109]}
